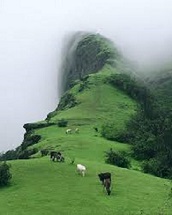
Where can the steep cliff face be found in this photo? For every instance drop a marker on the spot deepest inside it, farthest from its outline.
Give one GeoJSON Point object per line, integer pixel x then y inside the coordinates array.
{"type": "Point", "coordinates": [86, 53]}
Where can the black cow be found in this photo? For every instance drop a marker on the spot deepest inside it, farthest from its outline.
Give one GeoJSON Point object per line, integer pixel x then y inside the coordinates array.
{"type": "Point", "coordinates": [56, 156]}
{"type": "Point", "coordinates": [96, 129]}
{"type": "Point", "coordinates": [107, 185]}
{"type": "Point", "coordinates": [103, 176]}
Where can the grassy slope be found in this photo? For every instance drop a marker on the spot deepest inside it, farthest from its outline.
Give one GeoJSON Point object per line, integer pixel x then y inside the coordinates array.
{"type": "Point", "coordinates": [43, 187]}
{"type": "Point", "coordinates": [40, 186]}
{"type": "Point", "coordinates": [99, 102]}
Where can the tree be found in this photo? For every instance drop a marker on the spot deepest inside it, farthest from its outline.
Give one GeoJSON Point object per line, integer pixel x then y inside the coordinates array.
{"type": "Point", "coordinates": [117, 158]}
{"type": "Point", "coordinates": [5, 174]}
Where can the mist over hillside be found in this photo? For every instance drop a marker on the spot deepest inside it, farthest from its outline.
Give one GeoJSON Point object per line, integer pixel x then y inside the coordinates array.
{"type": "Point", "coordinates": [32, 35]}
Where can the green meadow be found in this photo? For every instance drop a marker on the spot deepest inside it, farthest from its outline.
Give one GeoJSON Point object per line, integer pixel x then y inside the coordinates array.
{"type": "Point", "coordinates": [42, 187]}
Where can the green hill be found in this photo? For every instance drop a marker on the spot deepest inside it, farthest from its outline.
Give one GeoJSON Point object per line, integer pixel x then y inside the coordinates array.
{"type": "Point", "coordinates": [96, 105]}
{"type": "Point", "coordinates": [40, 186]}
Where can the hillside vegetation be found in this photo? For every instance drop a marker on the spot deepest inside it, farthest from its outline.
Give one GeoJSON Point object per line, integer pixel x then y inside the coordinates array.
{"type": "Point", "coordinates": [45, 187]}
{"type": "Point", "coordinates": [42, 187]}
{"type": "Point", "coordinates": [93, 108]}
{"type": "Point", "coordinates": [86, 53]}
{"type": "Point", "coordinates": [113, 112]}
{"type": "Point", "coordinates": [160, 83]}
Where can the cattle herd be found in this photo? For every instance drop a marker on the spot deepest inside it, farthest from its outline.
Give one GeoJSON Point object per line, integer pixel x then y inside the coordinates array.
{"type": "Point", "coordinates": [105, 177]}
{"type": "Point", "coordinates": [70, 131]}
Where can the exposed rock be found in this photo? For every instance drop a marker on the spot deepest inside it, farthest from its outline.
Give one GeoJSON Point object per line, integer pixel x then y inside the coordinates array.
{"type": "Point", "coordinates": [86, 53]}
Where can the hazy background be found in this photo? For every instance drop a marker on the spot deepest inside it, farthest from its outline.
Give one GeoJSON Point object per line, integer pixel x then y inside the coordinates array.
{"type": "Point", "coordinates": [31, 37]}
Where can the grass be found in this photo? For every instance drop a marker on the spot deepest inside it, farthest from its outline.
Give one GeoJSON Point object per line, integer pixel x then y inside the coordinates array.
{"type": "Point", "coordinates": [40, 186]}
{"type": "Point", "coordinates": [99, 103]}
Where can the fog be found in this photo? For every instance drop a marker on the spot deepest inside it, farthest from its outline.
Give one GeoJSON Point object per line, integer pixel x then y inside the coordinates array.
{"type": "Point", "coordinates": [32, 33]}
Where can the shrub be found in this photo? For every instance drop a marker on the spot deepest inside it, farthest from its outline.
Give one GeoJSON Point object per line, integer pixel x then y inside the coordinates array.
{"type": "Point", "coordinates": [84, 84]}
{"type": "Point", "coordinates": [67, 101]}
{"type": "Point", "coordinates": [117, 158]}
{"type": "Point", "coordinates": [44, 152]}
{"type": "Point", "coordinates": [156, 166]}
{"type": "Point", "coordinates": [111, 132]}
{"type": "Point", "coordinates": [50, 115]}
{"type": "Point", "coordinates": [5, 174]}
{"type": "Point", "coordinates": [9, 155]}
{"type": "Point", "coordinates": [31, 126]}
{"type": "Point", "coordinates": [27, 153]}
{"type": "Point", "coordinates": [62, 123]}
{"type": "Point", "coordinates": [30, 139]}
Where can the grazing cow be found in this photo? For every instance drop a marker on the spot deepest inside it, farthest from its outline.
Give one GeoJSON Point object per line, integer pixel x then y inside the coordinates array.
{"type": "Point", "coordinates": [56, 156]}
{"type": "Point", "coordinates": [96, 129]}
{"type": "Point", "coordinates": [81, 169]}
{"type": "Point", "coordinates": [69, 131]}
{"type": "Point", "coordinates": [77, 130]}
{"type": "Point", "coordinates": [107, 185]}
{"type": "Point", "coordinates": [103, 176]}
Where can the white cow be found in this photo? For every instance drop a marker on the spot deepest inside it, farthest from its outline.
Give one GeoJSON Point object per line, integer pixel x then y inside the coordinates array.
{"type": "Point", "coordinates": [69, 131]}
{"type": "Point", "coordinates": [81, 169]}
{"type": "Point", "coordinates": [77, 130]}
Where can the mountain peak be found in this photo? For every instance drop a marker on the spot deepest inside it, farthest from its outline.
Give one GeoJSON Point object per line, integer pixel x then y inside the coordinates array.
{"type": "Point", "coordinates": [86, 53]}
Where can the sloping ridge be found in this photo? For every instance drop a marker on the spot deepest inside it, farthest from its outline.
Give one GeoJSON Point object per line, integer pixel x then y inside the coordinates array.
{"type": "Point", "coordinates": [41, 186]}
{"type": "Point", "coordinates": [90, 59]}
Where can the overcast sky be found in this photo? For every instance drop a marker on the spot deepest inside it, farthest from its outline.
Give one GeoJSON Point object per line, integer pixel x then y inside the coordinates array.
{"type": "Point", "coordinates": [31, 37]}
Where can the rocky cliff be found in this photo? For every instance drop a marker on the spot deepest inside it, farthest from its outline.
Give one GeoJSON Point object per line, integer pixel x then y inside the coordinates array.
{"type": "Point", "coordinates": [86, 53]}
